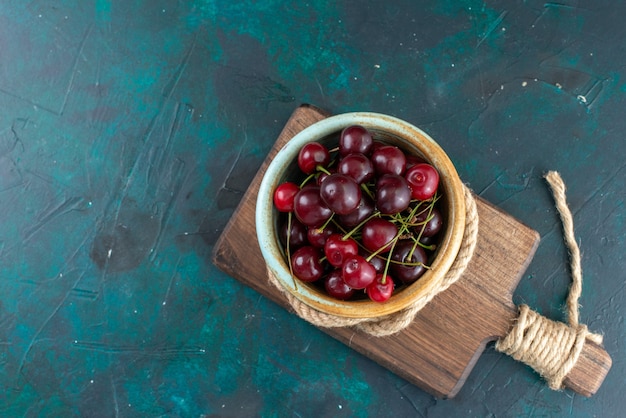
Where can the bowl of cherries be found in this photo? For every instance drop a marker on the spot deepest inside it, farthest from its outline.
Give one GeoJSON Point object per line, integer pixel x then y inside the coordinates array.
{"type": "Point", "coordinates": [360, 214]}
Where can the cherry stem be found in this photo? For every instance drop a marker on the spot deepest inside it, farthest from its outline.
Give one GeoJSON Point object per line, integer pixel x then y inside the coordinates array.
{"type": "Point", "coordinates": [307, 179]}
{"type": "Point", "coordinates": [428, 217]}
{"type": "Point", "coordinates": [329, 220]}
{"type": "Point", "coordinates": [295, 285]}
{"type": "Point", "coordinates": [322, 169]}
{"type": "Point", "coordinates": [393, 246]}
{"type": "Point", "coordinates": [360, 225]}
{"type": "Point", "coordinates": [367, 190]}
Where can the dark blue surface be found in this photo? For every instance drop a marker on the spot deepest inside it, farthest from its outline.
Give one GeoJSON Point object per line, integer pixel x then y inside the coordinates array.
{"type": "Point", "coordinates": [130, 130]}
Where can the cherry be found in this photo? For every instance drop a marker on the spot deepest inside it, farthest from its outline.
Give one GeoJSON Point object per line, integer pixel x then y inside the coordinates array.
{"type": "Point", "coordinates": [393, 194]}
{"type": "Point", "coordinates": [336, 287]}
{"type": "Point", "coordinates": [427, 240]}
{"type": "Point", "coordinates": [357, 272]}
{"type": "Point", "coordinates": [381, 288]}
{"type": "Point", "coordinates": [423, 179]}
{"type": "Point", "coordinates": [412, 160]}
{"type": "Point", "coordinates": [377, 144]}
{"type": "Point", "coordinates": [297, 233]}
{"type": "Point", "coordinates": [309, 185]}
{"type": "Point", "coordinates": [430, 224]}
{"type": "Point", "coordinates": [283, 196]}
{"type": "Point", "coordinates": [340, 193]}
{"type": "Point", "coordinates": [353, 139]}
{"type": "Point", "coordinates": [311, 155]}
{"type": "Point", "coordinates": [377, 235]}
{"type": "Point", "coordinates": [363, 211]}
{"type": "Point", "coordinates": [309, 207]}
{"type": "Point", "coordinates": [337, 249]}
{"type": "Point", "coordinates": [357, 166]}
{"type": "Point", "coordinates": [402, 268]}
{"type": "Point", "coordinates": [323, 175]}
{"type": "Point", "coordinates": [388, 159]}
{"type": "Point", "coordinates": [306, 265]}
{"type": "Point", "coordinates": [317, 236]}
{"type": "Point", "coordinates": [378, 262]}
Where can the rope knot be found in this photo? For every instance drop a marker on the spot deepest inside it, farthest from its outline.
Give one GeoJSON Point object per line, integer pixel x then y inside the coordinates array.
{"type": "Point", "coordinates": [551, 348]}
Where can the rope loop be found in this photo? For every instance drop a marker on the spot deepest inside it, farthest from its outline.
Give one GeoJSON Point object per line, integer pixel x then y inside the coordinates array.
{"type": "Point", "coordinates": [552, 348]}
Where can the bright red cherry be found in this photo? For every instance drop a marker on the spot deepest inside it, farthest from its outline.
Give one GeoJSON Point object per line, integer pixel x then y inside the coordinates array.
{"type": "Point", "coordinates": [283, 196]}
{"type": "Point", "coordinates": [381, 288]}
{"type": "Point", "coordinates": [357, 272]}
{"type": "Point", "coordinates": [337, 249]}
{"type": "Point", "coordinates": [423, 180]}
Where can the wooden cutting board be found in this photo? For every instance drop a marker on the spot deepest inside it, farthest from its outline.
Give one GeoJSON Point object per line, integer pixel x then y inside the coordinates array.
{"type": "Point", "coordinates": [440, 348]}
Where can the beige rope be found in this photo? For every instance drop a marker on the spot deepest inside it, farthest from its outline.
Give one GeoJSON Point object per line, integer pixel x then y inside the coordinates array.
{"type": "Point", "coordinates": [552, 348]}
{"type": "Point", "coordinates": [393, 323]}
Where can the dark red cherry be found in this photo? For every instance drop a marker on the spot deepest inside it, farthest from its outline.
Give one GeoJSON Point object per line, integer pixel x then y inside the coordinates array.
{"type": "Point", "coordinates": [317, 237]}
{"type": "Point", "coordinates": [306, 265]}
{"type": "Point", "coordinates": [389, 160]}
{"type": "Point", "coordinates": [311, 155]}
{"type": "Point", "coordinates": [430, 223]}
{"type": "Point", "coordinates": [357, 166]}
{"type": "Point", "coordinates": [297, 234]}
{"type": "Point", "coordinates": [412, 160]}
{"type": "Point", "coordinates": [353, 139]}
{"type": "Point", "coordinates": [393, 194]}
{"type": "Point", "coordinates": [402, 268]}
{"type": "Point", "coordinates": [378, 233]}
{"type": "Point", "coordinates": [336, 287]}
{"type": "Point", "coordinates": [340, 193]}
{"type": "Point", "coordinates": [309, 207]}
{"type": "Point", "coordinates": [363, 211]}
{"type": "Point", "coordinates": [377, 261]}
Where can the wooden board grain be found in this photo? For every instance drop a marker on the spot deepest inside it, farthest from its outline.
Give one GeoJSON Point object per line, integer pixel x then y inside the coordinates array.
{"type": "Point", "coordinates": [439, 349]}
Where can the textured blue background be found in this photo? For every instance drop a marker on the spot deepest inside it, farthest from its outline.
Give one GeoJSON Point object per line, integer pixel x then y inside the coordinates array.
{"type": "Point", "coordinates": [135, 126]}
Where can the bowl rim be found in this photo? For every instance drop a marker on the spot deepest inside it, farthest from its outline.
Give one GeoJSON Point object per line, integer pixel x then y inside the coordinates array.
{"type": "Point", "coordinates": [449, 245]}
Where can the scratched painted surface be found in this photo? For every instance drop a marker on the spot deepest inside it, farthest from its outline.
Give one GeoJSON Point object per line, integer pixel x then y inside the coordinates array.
{"type": "Point", "coordinates": [130, 130]}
